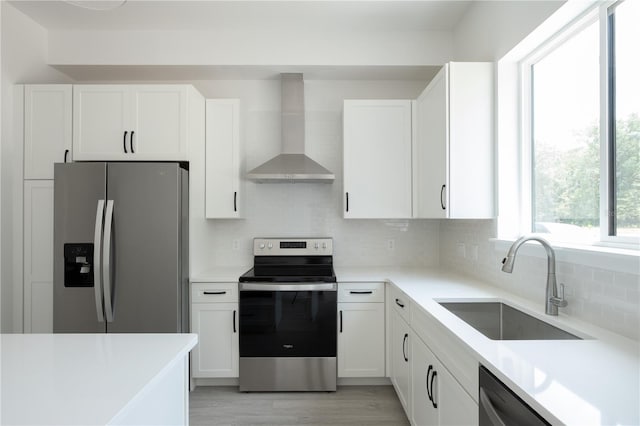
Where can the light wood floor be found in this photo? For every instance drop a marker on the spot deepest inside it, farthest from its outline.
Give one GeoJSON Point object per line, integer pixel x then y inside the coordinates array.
{"type": "Point", "coordinates": [350, 405]}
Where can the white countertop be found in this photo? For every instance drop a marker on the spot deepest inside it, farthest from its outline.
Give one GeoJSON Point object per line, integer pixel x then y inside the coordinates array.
{"type": "Point", "coordinates": [221, 274]}
{"type": "Point", "coordinates": [81, 379]}
{"type": "Point", "coordinates": [575, 382]}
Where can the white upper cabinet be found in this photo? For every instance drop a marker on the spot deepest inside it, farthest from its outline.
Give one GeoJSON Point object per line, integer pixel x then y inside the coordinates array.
{"type": "Point", "coordinates": [223, 159]}
{"type": "Point", "coordinates": [131, 122]}
{"type": "Point", "coordinates": [377, 159]}
{"type": "Point", "coordinates": [454, 143]}
{"type": "Point", "coordinates": [47, 128]}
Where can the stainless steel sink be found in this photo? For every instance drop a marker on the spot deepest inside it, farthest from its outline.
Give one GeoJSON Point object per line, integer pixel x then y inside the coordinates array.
{"type": "Point", "coordinates": [499, 321]}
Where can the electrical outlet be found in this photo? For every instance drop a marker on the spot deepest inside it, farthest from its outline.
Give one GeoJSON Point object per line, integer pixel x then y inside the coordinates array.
{"type": "Point", "coordinates": [236, 244]}
{"type": "Point", "coordinates": [391, 244]}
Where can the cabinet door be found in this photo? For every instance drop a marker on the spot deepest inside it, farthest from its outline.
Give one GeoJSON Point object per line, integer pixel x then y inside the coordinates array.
{"type": "Point", "coordinates": [101, 116]}
{"type": "Point", "coordinates": [222, 153]}
{"type": "Point", "coordinates": [47, 128]}
{"type": "Point", "coordinates": [159, 122]}
{"type": "Point", "coordinates": [423, 412]}
{"type": "Point", "coordinates": [455, 406]}
{"type": "Point", "coordinates": [377, 159]}
{"type": "Point", "coordinates": [400, 346]}
{"type": "Point", "coordinates": [216, 354]}
{"type": "Point", "coordinates": [38, 256]}
{"type": "Point", "coordinates": [431, 149]}
{"type": "Point", "coordinates": [361, 340]}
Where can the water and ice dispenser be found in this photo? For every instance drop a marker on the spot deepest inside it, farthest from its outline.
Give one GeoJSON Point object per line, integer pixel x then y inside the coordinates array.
{"type": "Point", "coordinates": [78, 265]}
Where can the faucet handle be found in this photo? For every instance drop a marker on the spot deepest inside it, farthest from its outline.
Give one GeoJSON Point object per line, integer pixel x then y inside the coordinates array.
{"type": "Point", "coordinates": [560, 301]}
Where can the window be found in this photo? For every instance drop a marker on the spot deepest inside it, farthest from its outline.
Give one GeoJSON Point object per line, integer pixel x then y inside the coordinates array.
{"type": "Point", "coordinates": [583, 129]}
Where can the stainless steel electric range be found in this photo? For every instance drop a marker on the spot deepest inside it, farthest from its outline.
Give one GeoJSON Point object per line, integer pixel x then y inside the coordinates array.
{"type": "Point", "coordinates": [288, 316]}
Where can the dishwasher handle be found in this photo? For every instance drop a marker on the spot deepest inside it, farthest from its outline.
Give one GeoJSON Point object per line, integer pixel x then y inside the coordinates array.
{"type": "Point", "coordinates": [489, 409]}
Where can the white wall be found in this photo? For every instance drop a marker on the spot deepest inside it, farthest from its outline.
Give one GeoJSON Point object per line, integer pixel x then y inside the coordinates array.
{"type": "Point", "coordinates": [229, 47]}
{"type": "Point", "coordinates": [24, 51]}
{"type": "Point", "coordinates": [489, 29]}
{"type": "Point", "coordinates": [308, 209]}
{"type": "Point", "coordinates": [604, 294]}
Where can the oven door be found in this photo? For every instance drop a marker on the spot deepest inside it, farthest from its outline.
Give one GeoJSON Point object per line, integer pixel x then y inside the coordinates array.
{"type": "Point", "coordinates": [288, 320]}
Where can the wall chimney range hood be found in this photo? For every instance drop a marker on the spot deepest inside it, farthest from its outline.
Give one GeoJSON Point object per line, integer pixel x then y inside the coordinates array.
{"type": "Point", "coordinates": [292, 165]}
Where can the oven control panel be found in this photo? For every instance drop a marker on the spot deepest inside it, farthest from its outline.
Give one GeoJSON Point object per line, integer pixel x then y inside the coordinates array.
{"type": "Point", "coordinates": [292, 246]}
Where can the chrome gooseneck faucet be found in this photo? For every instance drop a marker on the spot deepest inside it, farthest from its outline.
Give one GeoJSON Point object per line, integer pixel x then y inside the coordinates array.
{"type": "Point", "coordinates": [552, 299]}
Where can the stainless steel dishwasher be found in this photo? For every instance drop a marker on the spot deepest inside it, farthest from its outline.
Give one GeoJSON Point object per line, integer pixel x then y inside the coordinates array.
{"type": "Point", "coordinates": [499, 406]}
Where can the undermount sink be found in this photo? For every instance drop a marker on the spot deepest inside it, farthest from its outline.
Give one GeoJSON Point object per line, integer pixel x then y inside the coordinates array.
{"type": "Point", "coordinates": [499, 321]}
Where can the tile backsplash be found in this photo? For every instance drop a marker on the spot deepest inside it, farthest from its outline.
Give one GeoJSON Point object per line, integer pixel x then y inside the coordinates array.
{"type": "Point", "coordinates": [605, 298]}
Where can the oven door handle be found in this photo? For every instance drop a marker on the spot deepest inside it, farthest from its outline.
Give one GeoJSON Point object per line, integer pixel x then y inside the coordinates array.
{"type": "Point", "coordinates": [289, 287]}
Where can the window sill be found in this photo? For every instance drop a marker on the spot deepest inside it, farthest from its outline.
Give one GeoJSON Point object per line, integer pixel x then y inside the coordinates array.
{"type": "Point", "coordinates": [614, 259]}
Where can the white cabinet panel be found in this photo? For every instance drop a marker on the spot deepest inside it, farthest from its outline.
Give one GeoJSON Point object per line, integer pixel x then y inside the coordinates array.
{"type": "Point", "coordinates": [101, 116]}
{"type": "Point", "coordinates": [131, 122]}
{"type": "Point", "coordinates": [217, 353]}
{"type": "Point", "coordinates": [47, 128]}
{"type": "Point", "coordinates": [361, 340]}
{"type": "Point", "coordinates": [224, 158]}
{"type": "Point", "coordinates": [377, 159]}
{"type": "Point", "coordinates": [38, 256]}
{"type": "Point", "coordinates": [454, 143]}
{"type": "Point", "coordinates": [160, 124]}
{"type": "Point", "coordinates": [400, 359]}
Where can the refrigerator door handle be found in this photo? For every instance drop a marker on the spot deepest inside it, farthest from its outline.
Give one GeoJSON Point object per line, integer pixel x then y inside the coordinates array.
{"type": "Point", "coordinates": [97, 270]}
{"type": "Point", "coordinates": [106, 265]}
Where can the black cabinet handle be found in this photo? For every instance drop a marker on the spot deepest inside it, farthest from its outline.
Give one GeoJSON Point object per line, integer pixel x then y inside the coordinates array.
{"type": "Point", "coordinates": [426, 382]}
{"type": "Point", "coordinates": [124, 142]}
{"type": "Point", "coordinates": [131, 142]}
{"type": "Point", "coordinates": [214, 292]}
{"type": "Point", "coordinates": [404, 341]}
{"type": "Point", "coordinates": [235, 201]}
{"type": "Point", "coordinates": [433, 398]}
{"type": "Point", "coordinates": [66, 153]}
{"type": "Point", "coordinates": [361, 292]}
{"type": "Point", "coordinates": [340, 321]}
{"type": "Point", "coordinates": [399, 304]}
{"type": "Point", "coordinates": [442, 199]}
{"type": "Point", "coordinates": [234, 322]}
{"type": "Point", "coordinates": [347, 199]}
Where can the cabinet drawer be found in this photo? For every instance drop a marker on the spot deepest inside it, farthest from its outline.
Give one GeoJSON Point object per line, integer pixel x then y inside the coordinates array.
{"type": "Point", "coordinates": [400, 302]}
{"type": "Point", "coordinates": [360, 292]}
{"type": "Point", "coordinates": [214, 292]}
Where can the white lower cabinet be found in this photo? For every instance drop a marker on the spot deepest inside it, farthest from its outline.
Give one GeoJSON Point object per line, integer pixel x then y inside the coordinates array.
{"type": "Point", "coordinates": [437, 398]}
{"type": "Point", "coordinates": [400, 359]}
{"type": "Point", "coordinates": [361, 330]}
{"type": "Point", "coordinates": [214, 318]}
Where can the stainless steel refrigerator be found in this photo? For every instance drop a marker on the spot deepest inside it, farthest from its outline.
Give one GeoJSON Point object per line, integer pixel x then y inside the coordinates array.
{"type": "Point", "coordinates": [120, 248]}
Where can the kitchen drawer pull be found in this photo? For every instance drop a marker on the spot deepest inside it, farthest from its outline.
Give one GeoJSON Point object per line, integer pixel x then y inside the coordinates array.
{"type": "Point", "coordinates": [426, 382]}
{"type": "Point", "coordinates": [404, 341]}
{"type": "Point", "coordinates": [441, 199]}
{"type": "Point", "coordinates": [347, 197]}
{"type": "Point", "coordinates": [131, 142]}
{"type": "Point", "coordinates": [433, 398]}
{"type": "Point", "coordinates": [361, 292]}
{"type": "Point", "coordinates": [214, 292]}
{"type": "Point", "coordinates": [399, 304]}
{"type": "Point", "coordinates": [340, 321]}
{"type": "Point", "coordinates": [234, 321]}
{"type": "Point", "coordinates": [235, 201]}
{"type": "Point", "coordinates": [124, 142]}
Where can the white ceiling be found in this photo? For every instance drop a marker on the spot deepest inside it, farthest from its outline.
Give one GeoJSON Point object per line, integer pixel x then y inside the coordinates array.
{"type": "Point", "coordinates": [379, 15]}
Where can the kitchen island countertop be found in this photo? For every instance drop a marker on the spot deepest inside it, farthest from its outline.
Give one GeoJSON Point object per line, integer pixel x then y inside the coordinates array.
{"type": "Point", "coordinates": [594, 381]}
{"type": "Point", "coordinates": [87, 379]}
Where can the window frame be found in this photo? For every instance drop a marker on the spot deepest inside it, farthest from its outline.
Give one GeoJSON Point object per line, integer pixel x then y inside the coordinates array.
{"type": "Point", "coordinates": [598, 12]}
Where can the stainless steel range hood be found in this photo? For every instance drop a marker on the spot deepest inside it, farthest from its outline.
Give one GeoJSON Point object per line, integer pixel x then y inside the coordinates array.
{"type": "Point", "coordinates": [292, 165]}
